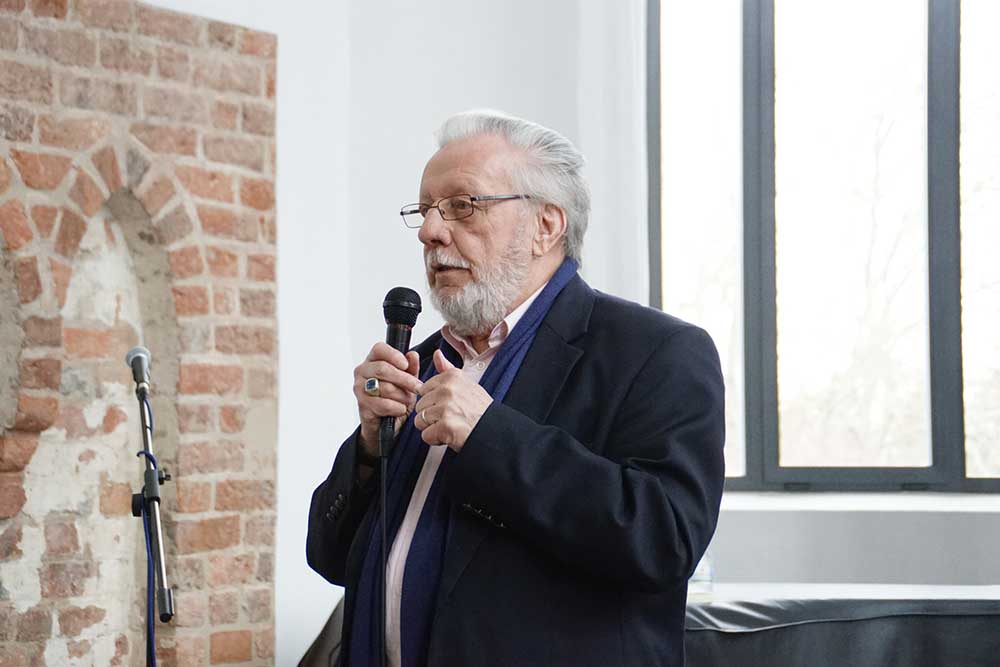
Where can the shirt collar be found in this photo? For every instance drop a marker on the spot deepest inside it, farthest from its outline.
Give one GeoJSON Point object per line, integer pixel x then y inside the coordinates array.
{"type": "Point", "coordinates": [499, 334]}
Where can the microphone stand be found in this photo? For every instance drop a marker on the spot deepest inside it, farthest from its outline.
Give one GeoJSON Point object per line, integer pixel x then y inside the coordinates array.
{"type": "Point", "coordinates": [146, 506]}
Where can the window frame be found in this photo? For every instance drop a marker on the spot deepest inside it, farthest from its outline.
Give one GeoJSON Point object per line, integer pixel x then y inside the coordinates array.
{"type": "Point", "coordinates": [763, 472]}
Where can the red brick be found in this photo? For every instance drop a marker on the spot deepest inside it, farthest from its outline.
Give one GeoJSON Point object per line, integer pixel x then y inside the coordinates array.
{"type": "Point", "coordinates": [14, 225]}
{"type": "Point", "coordinates": [222, 36]}
{"type": "Point", "coordinates": [222, 263]}
{"type": "Point", "coordinates": [173, 227]}
{"type": "Point", "coordinates": [72, 133]}
{"type": "Point", "coordinates": [74, 620]}
{"type": "Point", "coordinates": [156, 195]}
{"type": "Point", "coordinates": [4, 173]}
{"type": "Point", "coordinates": [260, 531]}
{"type": "Point", "coordinates": [173, 64]}
{"type": "Point", "coordinates": [223, 608]}
{"type": "Point", "coordinates": [268, 229]}
{"type": "Point", "coordinates": [40, 171]}
{"type": "Point", "coordinates": [258, 119]}
{"type": "Point", "coordinates": [117, 97]}
{"type": "Point", "coordinates": [66, 47]}
{"type": "Point", "coordinates": [168, 26]}
{"type": "Point", "coordinates": [234, 150]}
{"type": "Point", "coordinates": [260, 44]}
{"type": "Point", "coordinates": [10, 548]}
{"type": "Point", "coordinates": [224, 223]}
{"type": "Point", "coordinates": [40, 373]}
{"type": "Point", "coordinates": [195, 335]}
{"type": "Point", "coordinates": [261, 383]}
{"type": "Point", "coordinates": [186, 262]}
{"type": "Point", "coordinates": [43, 332]}
{"type": "Point", "coordinates": [193, 496]}
{"type": "Point", "coordinates": [166, 139]}
{"type": "Point", "coordinates": [62, 273]}
{"type": "Point", "coordinates": [122, 55]}
{"type": "Point", "coordinates": [194, 418]}
{"type": "Point", "coordinates": [261, 268]}
{"type": "Point", "coordinates": [210, 379]}
{"type": "Point", "coordinates": [77, 648]}
{"type": "Point", "coordinates": [88, 343]}
{"type": "Point", "coordinates": [71, 231]}
{"type": "Point", "coordinates": [189, 573]}
{"type": "Point", "coordinates": [16, 123]}
{"type": "Point", "coordinates": [226, 570]}
{"type": "Point", "coordinates": [223, 301]}
{"type": "Point", "coordinates": [34, 624]}
{"type": "Point", "coordinates": [207, 534]}
{"type": "Point", "coordinates": [190, 300]}
{"type": "Point", "coordinates": [191, 610]}
{"type": "Point", "coordinates": [191, 651]}
{"type": "Point", "coordinates": [45, 219]}
{"type": "Point", "coordinates": [263, 643]}
{"type": "Point", "coordinates": [16, 450]}
{"type": "Point", "coordinates": [271, 81]}
{"type": "Point", "coordinates": [209, 457]}
{"type": "Point", "coordinates": [244, 495]}
{"type": "Point", "coordinates": [35, 413]}
{"type": "Point", "coordinates": [116, 499]}
{"type": "Point", "coordinates": [175, 105]}
{"type": "Point", "coordinates": [63, 580]}
{"type": "Point", "coordinates": [112, 14]}
{"type": "Point", "coordinates": [257, 605]}
{"type": "Point", "coordinates": [257, 193]}
{"type": "Point", "coordinates": [29, 285]}
{"type": "Point", "coordinates": [107, 165]}
{"type": "Point", "coordinates": [224, 115]}
{"type": "Point", "coordinates": [86, 194]}
{"type": "Point", "coordinates": [52, 8]}
{"type": "Point", "coordinates": [265, 567]}
{"type": "Point", "coordinates": [61, 539]}
{"type": "Point", "coordinates": [239, 339]}
{"type": "Point", "coordinates": [228, 76]}
{"type": "Point", "coordinates": [113, 416]}
{"type": "Point", "coordinates": [12, 496]}
{"type": "Point", "coordinates": [230, 646]}
{"type": "Point", "coordinates": [14, 6]}
{"type": "Point", "coordinates": [232, 418]}
{"type": "Point", "coordinates": [25, 82]}
{"type": "Point", "coordinates": [207, 184]}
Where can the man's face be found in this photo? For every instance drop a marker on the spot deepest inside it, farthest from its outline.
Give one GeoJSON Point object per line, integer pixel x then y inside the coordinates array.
{"type": "Point", "coordinates": [488, 246]}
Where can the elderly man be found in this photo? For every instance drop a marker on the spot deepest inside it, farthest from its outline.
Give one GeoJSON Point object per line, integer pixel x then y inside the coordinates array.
{"type": "Point", "coordinates": [558, 462]}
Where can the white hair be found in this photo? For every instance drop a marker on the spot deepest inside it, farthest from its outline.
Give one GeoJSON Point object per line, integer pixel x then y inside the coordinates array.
{"type": "Point", "coordinates": [550, 174]}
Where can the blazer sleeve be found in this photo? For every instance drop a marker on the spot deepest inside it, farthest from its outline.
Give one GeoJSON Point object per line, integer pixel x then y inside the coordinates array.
{"type": "Point", "coordinates": [338, 506]}
{"type": "Point", "coordinates": [640, 515]}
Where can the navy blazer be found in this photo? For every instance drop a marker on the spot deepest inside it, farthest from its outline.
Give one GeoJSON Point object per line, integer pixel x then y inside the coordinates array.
{"type": "Point", "coordinates": [582, 503]}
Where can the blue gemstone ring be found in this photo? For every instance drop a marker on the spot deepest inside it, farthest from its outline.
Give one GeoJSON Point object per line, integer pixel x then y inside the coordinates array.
{"type": "Point", "coordinates": [371, 386]}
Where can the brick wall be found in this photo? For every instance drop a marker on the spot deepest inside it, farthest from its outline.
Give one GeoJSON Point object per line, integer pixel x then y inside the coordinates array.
{"type": "Point", "coordinates": [137, 163]}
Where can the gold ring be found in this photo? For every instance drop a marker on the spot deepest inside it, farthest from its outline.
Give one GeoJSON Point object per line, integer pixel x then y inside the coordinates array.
{"type": "Point", "coordinates": [371, 387]}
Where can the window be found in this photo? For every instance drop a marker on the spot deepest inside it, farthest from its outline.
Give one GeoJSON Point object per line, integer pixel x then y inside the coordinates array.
{"type": "Point", "coordinates": [805, 170]}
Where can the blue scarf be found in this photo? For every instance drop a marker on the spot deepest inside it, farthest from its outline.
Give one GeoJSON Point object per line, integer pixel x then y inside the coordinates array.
{"type": "Point", "coordinates": [425, 558]}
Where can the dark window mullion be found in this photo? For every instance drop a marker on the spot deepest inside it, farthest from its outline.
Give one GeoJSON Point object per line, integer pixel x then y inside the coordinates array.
{"type": "Point", "coordinates": [943, 242]}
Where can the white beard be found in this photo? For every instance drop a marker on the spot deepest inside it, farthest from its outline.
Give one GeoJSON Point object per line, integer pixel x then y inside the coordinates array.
{"type": "Point", "coordinates": [487, 298]}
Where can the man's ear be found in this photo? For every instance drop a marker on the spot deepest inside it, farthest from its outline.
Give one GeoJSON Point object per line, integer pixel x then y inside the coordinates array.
{"type": "Point", "coordinates": [550, 230]}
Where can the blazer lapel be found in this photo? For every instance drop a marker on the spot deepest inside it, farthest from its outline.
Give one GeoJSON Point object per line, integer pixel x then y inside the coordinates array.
{"type": "Point", "coordinates": [534, 391]}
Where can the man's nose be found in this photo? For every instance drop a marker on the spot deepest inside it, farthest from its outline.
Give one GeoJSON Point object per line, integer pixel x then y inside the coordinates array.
{"type": "Point", "coordinates": [435, 230]}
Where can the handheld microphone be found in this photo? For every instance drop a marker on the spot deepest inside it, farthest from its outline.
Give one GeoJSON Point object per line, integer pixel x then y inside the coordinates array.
{"type": "Point", "coordinates": [400, 308]}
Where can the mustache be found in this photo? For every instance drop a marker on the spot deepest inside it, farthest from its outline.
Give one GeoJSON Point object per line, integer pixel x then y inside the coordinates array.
{"type": "Point", "coordinates": [436, 257]}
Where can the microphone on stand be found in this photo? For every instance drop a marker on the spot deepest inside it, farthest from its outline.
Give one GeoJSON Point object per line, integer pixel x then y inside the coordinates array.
{"type": "Point", "coordinates": [400, 308]}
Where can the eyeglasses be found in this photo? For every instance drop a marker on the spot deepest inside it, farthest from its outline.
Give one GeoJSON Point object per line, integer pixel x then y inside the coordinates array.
{"type": "Point", "coordinates": [456, 207]}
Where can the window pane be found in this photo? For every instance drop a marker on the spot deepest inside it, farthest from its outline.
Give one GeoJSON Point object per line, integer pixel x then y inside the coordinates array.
{"type": "Point", "coordinates": [980, 183]}
{"type": "Point", "coordinates": [851, 233]}
{"type": "Point", "coordinates": [702, 222]}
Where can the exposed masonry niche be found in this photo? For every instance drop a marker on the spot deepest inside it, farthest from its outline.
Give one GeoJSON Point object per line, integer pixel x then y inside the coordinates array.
{"type": "Point", "coordinates": [136, 206]}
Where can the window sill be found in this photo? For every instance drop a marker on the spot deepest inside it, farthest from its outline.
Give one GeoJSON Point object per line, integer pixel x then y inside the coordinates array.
{"type": "Point", "coordinates": [902, 501]}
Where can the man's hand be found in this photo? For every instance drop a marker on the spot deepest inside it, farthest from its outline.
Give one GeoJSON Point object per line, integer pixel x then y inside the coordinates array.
{"type": "Point", "coordinates": [398, 386]}
{"type": "Point", "coordinates": [450, 405]}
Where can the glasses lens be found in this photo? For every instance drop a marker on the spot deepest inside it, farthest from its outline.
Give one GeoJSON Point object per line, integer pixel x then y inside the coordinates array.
{"type": "Point", "coordinates": [413, 215]}
{"type": "Point", "coordinates": [457, 207]}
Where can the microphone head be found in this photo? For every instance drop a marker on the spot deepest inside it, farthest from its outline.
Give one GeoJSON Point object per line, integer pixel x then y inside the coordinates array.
{"type": "Point", "coordinates": [138, 359]}
{"type": "Point", "coordinates": [401, 306]}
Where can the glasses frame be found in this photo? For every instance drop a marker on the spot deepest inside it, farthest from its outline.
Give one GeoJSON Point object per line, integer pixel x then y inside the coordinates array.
{"type": "Point", "coordinates": [411, 210]}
